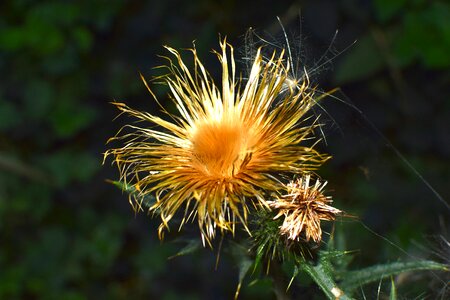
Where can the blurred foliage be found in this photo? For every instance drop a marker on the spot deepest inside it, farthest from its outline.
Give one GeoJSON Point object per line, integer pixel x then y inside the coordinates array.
{"type": "Point", "coordinates": [66, 234]}
{"type": "Point", "coordinates": [406, 32]}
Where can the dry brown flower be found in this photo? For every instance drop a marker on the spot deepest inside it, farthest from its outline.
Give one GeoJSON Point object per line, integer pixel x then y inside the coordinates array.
{"type": "Point", "coordinates": [303, 207]}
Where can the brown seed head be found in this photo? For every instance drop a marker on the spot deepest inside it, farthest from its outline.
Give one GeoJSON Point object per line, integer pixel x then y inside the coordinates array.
{"type": "Point", "coordinates": [303, 207]}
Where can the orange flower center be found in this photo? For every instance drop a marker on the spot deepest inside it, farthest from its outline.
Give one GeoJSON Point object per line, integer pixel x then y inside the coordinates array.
{"type": "Point", "coordinates": [219, 148]}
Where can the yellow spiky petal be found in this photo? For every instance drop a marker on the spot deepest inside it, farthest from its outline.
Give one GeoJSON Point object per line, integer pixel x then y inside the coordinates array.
{"type": "Point", "coordinates": [227, 148]}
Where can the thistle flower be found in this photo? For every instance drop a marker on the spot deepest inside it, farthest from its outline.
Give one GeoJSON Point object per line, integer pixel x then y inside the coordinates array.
{"type": "Point", "coordinates": [227, 148]}
{"type": "Point", "coordinates": [303, 207]}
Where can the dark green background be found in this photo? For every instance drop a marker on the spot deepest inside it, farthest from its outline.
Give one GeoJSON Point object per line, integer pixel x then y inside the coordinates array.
{"type": "Point", "coordinates": [65, 233]}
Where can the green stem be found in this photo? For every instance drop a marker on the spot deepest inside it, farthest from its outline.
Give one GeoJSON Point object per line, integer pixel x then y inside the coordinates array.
{"type": "Point", "coordinates": [324, 281]}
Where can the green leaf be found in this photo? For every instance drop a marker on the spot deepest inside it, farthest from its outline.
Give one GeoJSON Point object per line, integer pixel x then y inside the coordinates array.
{"type": "Point", "coordinates": [124, 186]}
{"type": "Point", "coordinates": [294, 274]}
{"type": "Point", "coordinates": [354, 279]}
{"type": "Point", "coordinates": [331, 254]}
{"type": "Point", "coordinates": [192, 246]}
{"type": "Point", "coordinates": [393, 294]}
{"type": "Point", "coordinates": [362, 61]}
{"type": "Point", "coordinates": [259, 255]}
{"type": "Point", "coordinates": [323, 277]}
{"type": "Point", "coordinates": [146, 200]}
{"type": "Point", "coordinates": [244, 266]}
{"type": "Point", "coordinates": [240, 254]}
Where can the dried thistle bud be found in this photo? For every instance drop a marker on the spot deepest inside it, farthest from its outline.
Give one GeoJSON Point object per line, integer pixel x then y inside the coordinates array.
{"type": "Point", "coordinates": [303, 207]}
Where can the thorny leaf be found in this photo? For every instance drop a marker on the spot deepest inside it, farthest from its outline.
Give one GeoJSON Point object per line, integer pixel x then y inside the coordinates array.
{"type": "Point", "coordinates": [354, 279]}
